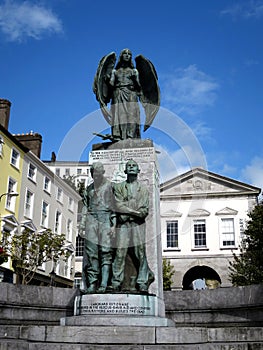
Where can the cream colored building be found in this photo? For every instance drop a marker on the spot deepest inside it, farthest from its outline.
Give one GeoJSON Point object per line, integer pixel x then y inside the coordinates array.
{"type": "Point", "coordinates": [203, 217]}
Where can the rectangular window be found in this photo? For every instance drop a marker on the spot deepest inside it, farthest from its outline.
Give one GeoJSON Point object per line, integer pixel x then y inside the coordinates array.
{"type": "Point", "coordinates": [59, 194]}
{"type": "Point", "coordinates": [228, 232]}
{"type": "Point", "coordinates": [67, 172]}
{"type": "Point", "coordinates": [29, 204]}
{"type": "Point", "coordinates": [199, 233]}
{"type": "Point", "coordinates": [44, 214]}
{"type": "Point", "coordinates": [15, 158]}
{"type": "Point", "coordinates": [172, 234]}
{"type": "Point", "coordinates": [11, 198]}
{"type": "Point", "coordinates": [32, 172]}
{"type": "Point", "coordinates": [57, 228]}
{"type": "Point", "coordinates": [70, 204]}
{"type": "Point", "coordinates": [57, 171]}
{"type": "Point", "coordinates": [1, 145]}
{"type": "Point", "coordinates": [69, 230]}
{"type": "Point", "coordinates": [79, 171]}
{"type": "Point", "coordinates": [47, 184]}
{"type": "Point", "coordinates": [77, 282]}
{"type": "Point", "coordinates": [79, 246]}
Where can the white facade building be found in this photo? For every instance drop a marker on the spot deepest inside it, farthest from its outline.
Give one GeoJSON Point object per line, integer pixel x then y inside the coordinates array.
{"type": "Point", "coordinates": [48, 202]}
{"type": "Point", "coordinates": [203, 216]}
{"type": "Point", "coordinates": [79, 172]}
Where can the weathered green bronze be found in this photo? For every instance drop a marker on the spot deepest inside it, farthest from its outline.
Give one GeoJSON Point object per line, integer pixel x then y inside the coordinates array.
{"type": "Point", "coordinates": [124, 86]}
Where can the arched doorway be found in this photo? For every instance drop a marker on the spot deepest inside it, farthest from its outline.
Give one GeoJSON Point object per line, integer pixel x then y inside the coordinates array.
{"type": "Point", "coordinates": [199, 273]}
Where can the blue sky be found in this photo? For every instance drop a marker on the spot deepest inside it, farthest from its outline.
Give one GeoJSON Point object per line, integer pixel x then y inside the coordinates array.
{"type": "Point", "coordinates": [209, 59]}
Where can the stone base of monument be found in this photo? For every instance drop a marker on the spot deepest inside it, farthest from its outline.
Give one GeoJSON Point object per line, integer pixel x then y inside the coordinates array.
{"type": "Point", "coordinates": [106, 320]}
{"type": "Point", "coordinates": [117, 310]}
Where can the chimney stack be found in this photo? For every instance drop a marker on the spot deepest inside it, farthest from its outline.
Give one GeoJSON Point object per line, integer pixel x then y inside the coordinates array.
{"type": "Point", "coordinates": [32, 141]}
{"type": "Point", "coordinates": [4, 112]}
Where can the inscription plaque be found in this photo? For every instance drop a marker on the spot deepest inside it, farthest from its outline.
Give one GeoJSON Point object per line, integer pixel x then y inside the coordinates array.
{"type": "Point", "coordinates": [118, 155]}
{"type": "Point", "coordinates": [119, 304]}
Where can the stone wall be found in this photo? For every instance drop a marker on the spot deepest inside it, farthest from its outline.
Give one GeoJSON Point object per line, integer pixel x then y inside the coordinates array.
{"type": "Point", "coordinates": [211, 307]}
{"type": "Point", "coordinates": [21, 304]}
{"type": "Point", "coordinates": [221, 319]}
{"type": "Point", "coordinates": [223, 306]}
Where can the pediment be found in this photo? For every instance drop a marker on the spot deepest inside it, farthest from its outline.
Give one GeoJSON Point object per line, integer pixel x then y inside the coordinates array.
{"type": "Point", "coordinates": [172, 213]}
{"type": "Point", "coordinates": [70, 247]}
{"type": "Point", "coordinates": [200, 183]}
{"type": "Point", "coordinates": [199, 212]}
{"type": "Point", "coordinates": [226, 211]}
{"type": "Point", "coordinates": [29, 225]}
{"type": "Point", "coordinates": [10, 220]}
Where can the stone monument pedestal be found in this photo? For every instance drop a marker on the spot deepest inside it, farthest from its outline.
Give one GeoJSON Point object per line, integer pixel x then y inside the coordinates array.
{"type": "Point", "coordinates": [117, 310]}
{"type": "Point", "coordinates": [126, 308]}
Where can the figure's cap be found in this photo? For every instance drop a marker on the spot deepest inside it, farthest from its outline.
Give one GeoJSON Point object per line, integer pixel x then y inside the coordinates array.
{"type": "Point", "coordinates": [98, 167]}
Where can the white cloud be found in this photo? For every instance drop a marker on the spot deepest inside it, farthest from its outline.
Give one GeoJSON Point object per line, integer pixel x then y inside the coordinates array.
{"type": "Point", "coordinates": [253, 172]}
{"type": "Point", "coordinates": [19, 20]}
{"type": "Point", "coordinates": [202, 131]}
{"type": "Point", "coordinates": [246, 10]}
{"type": "Point", "coordinates": [188, 90]}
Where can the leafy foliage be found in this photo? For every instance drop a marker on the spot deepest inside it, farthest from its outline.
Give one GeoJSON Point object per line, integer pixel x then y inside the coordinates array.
{"type": "Point", "coordinates": [168, 272]}
{"type": "Point", "coordinates": [247, 268]}
{"type": "Point", "coordinates": [70, 180]}
{"type": "Point", "coordinates": [29, 250]}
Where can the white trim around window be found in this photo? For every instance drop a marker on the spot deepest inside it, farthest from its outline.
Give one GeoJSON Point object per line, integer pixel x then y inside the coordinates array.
{"type": "Point", "coordinates": [11, 200]}
{"type": "Point", "coordinates": [58, 216]}
{"type": "Point", "coordinates": [29, 204]}
{"type": "Point", "coordinates": [32, 172]}
{"type": "Point", "coordinates": [199, 235]}
{"type": "Point", "coordinates": [227, 233]}
{"type": "Point", "coordinates": [47, 184]}
{"type": "Point", "coordinates": [15, 158]}
{"type": "Point", "coordinates": [1, 145]}
{"type": "Point", "coordinates": [44, 214]}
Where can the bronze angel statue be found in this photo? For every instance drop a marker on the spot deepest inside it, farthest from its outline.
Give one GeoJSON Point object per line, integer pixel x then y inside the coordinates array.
{"type": "Point", "coordinates": [124, 86]}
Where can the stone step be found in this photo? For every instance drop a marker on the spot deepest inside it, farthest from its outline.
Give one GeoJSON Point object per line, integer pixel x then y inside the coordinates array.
{"type": "Point", "coordinates": [18, 345]}
{"type": "Point", "coordinates": [126, 337]}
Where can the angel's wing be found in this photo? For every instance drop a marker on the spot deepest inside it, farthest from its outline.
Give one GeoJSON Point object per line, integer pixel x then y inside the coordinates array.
{"type": "Point", "coordinates": [150, 97]}
{"type": "Point", "coordinates": [101, 86]}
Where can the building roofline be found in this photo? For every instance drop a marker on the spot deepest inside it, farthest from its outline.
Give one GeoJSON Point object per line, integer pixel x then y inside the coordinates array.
{"type": "Point", "coordinates": [13, 139]}
{"type": "Point", "coordinates": [209, 175]}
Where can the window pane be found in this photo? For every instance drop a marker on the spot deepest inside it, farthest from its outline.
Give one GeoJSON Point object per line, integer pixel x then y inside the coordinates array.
{"type": "Point", "coordinates": [47, 184]}
{"type": "Point", "coordinates": [228, 232]}
{"type": "Point", "coordinates": [44, 216]}
{"type": "Point", "coordinates": [57, 222]}
{"type": "Point", "coordinates": [14, 157]}
{"type": "Point", "coordinates": [32, 172]}
{"type": "Point", "coordinates": [28, 204]}
{"type": "Point", "coordinates": [199, 233]}
{"type": "Point", "coordinates": [172, 234]}
{"type": "Point", "coordinates": [79, 246]}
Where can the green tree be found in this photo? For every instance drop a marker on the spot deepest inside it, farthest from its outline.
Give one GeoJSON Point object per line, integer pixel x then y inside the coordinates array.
{"type": "Point", "coordinates": [28, 250]}
{"type": "Point", "coordinates": [247, 267]}
{"type": "Point", "coordinates": [168, 272]}
{"type": "Point", "coordinates": [70, 180]}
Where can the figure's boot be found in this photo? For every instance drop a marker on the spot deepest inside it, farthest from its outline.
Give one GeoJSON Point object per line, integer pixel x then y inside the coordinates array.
{"type": "Point", "coordinates": [105, 273]}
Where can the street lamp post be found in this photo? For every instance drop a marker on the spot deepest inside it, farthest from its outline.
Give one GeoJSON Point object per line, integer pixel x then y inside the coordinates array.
{"type": "Point", "coordinates": [11, 194]}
